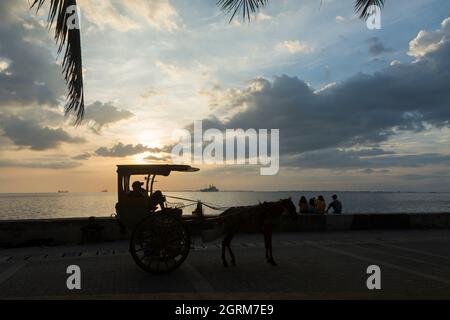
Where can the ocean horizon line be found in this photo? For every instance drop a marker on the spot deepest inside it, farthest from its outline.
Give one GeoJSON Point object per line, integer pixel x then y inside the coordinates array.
{"type": "Point", "coordinates": [260, 191]}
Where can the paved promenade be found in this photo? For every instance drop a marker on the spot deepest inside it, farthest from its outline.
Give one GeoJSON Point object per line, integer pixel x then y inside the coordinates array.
{"type": "Point", "coordinates": [414, 264]}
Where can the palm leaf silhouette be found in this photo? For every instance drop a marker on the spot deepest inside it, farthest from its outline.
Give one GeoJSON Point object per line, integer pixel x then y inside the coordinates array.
{"type": "Point", "coordinates": [251, 6]}
{"type": "Point", "coordinates": [246, 6]}
{"type": "Point", "coordinates": [70, 39]}
{"type": "Point", "coordinates": [362, 7]}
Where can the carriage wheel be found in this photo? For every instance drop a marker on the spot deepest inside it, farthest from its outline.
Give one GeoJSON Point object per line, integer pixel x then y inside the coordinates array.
{"type": "Point", "coordinates": [160, 243]}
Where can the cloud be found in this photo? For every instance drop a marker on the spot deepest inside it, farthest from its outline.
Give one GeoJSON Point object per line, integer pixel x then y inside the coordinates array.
{"type": "Point", "coordinates": [83, 156]}
{"type": "Point", "coordinates": [152, 158]}
{"type": "Point", "coordinates": [434, 177]}
{"type": "Point", "coordinates": [124, 16]}
{"type": "Point", "coordinates": [149, 93]}
{"type": "Point", "coordinates": [37, 114]}
{"type": "Point", "coordinates": [376, 47]}
{"type": "Point", "coordinates": [325, 87]}
{"type": "Point", "coordinates": [39, 164]}
{"type": "Point", "coordinates": [103, 114]}
{"type": "Point", "coordinates": [227, 102]}
{"type": "Point", "coordinates": [340, 19]}
{"type": "Point", "coordinates": [4, 64]}
{"type": "Point", "coordinates": [429, 42]}
{"type": "Point", "coordinates": [28, 71]}
{"type": "Point", "coordinates": [363, 110]}
{"type": "Point", "coordinates": [295, 47]}
{"type": "Point", "coordinates": [31, 85]}
{"type": "Point", "coordinates": [172, 70]}
{"type": "Point", "coordinates": [120, 150]}
{"type": "Point", "coordinates": [368, 158]}
{"type": "Point", "coordinates": [263, 17]}
{"type": "Point", "coordinates": [104, 14]}
{"type": "Point", "coordinates": [158, 13]}
{"type": "Point", "coordinates": [27, 133]}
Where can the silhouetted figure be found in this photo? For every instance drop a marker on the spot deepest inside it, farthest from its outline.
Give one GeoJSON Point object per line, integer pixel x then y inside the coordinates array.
{"type": "Point", "coordinates": [312, 205]}
{"type": "Point", "coordinates": [336, 205]}
{"type": "Point", "coordinates": [303, 205]}
{"type": "Point", "coordinates": [198, 210]}
{"type": "Point", "coordinates": [138, 191]}
{"type": "Point", "coordinates": [92, 232]}
{"type": "Point", "coordinates": [320, 205]}
{"type": "Point", "coordinates": [157, 198]}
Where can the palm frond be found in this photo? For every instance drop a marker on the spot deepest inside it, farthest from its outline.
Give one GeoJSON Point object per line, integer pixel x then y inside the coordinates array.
{"type": "Point", "coordinates": [70, 39]}
{"type": "Point", "coordinates": [246, 6]}
{"type": "Point", "coordinates": [362, 7]}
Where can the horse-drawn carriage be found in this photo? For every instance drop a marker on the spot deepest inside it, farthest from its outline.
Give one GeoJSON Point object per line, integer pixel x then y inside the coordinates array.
{"type": "Point", "coordinates": [160, 238]}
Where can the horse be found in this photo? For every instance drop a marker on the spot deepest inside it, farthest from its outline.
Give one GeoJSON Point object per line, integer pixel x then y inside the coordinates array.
{"type": "Point", "coordinates": [263, 215]}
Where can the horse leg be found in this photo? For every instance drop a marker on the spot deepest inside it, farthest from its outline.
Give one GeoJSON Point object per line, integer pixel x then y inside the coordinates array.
{"type": "Point", "coordinates": [224, 260]}
{"type": "Point", "coordinates": [266, 245]}
{"type": "Point", "coordinates": [225, 244]}
{"type": "Point", "coordinates": [233, 260]}
{"type": "Point", "coordinates": [269, 237]}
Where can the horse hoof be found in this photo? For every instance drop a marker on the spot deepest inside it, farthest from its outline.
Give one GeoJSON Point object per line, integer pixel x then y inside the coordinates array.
{"type": "Point", "coordinates": [225, 264]}
{"type": "Point", "coordinates": [273, 263]}
{"type": "Point", "coordinates": [233, 263]}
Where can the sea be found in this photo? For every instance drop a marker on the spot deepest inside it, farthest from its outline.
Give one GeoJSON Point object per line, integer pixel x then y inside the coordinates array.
{"type": "Point", "coordinates": [69, 205]}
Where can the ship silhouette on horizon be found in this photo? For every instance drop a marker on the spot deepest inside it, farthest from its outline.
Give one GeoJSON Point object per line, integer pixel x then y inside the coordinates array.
{"type": "Point", "coordinates": [211, 188]}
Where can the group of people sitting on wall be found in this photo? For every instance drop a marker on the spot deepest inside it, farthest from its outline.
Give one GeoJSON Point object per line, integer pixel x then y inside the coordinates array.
{"type": "Point", "coordinates": [319, 205]}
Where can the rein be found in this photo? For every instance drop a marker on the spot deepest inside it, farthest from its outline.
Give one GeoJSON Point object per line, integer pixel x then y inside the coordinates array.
{"type": "Point", "coordinates": [206, 204]}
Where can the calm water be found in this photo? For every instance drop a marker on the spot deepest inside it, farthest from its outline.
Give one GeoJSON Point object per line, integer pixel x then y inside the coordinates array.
{"type": "Point", "coordinates": [47, 205]}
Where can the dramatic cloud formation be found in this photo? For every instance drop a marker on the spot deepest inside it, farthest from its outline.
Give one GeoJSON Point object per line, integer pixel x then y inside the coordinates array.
{"type": "Point", "coordinates": [104, 114]}
{"type": "Point", "coordinates": [428, 42]}
{"type": "Point", "coordinates": [26, 133]}
{"type": "Point", "coordinates": [319, 76]}
{"type": "Point", "coordinates": [28, 72]}
{"type": "Point", "coordinates": [364, 110]}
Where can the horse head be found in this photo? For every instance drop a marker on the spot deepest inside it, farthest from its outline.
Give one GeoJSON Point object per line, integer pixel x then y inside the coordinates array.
{"type": "Point", "coordinates": [289, 208]}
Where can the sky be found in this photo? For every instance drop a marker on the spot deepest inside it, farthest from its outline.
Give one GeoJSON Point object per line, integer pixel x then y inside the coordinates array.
{"type": "Point", "coordinates": [357, 109]}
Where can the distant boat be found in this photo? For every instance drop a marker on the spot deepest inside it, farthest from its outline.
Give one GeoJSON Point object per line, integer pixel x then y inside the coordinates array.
{"type": "Point", "coordinates": [104, 190]}
{"type": "Point", "coordinates": [211, 188]}
{"type": "Point", "coordinates": [63, 191]}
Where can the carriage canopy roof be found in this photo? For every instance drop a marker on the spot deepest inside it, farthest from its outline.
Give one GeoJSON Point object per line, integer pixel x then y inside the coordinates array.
{"type": "Point", "coordinates": [162, 170]}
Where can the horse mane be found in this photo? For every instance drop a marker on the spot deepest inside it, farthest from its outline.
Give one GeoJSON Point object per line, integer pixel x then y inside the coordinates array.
{"type": "Point", "coordinates": [253, 209]}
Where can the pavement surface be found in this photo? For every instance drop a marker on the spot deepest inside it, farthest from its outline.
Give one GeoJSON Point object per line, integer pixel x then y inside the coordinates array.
{"type": "Point", "coordinates": [332, 265]}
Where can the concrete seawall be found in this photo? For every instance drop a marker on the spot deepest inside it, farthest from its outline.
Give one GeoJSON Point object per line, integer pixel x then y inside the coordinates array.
{"type": "Point", "coordinates": [69, 231]}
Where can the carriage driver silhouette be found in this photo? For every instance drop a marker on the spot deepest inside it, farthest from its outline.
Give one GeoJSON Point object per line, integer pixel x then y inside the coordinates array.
{"type": "Point", "coordinates": [157, 198]}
